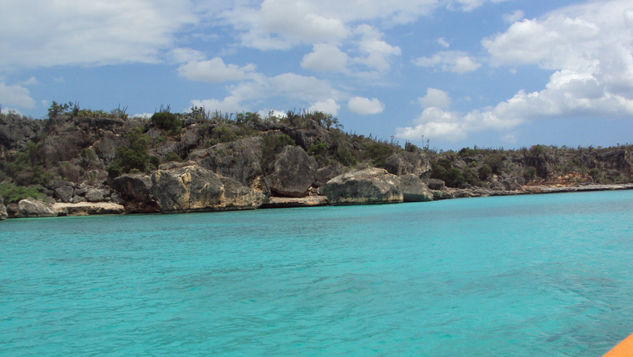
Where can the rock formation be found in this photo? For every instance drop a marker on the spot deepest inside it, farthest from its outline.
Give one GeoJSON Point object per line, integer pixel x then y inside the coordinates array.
{"type": "Point", "coordinates": [34, 208]}
{"type": "Point", "coordinates": [370, 185]}
{"type": "Point", "coordinates": [414, 189]}
{"type": "Point", "coordinates": [3, 210]}
{"type": "Point", "coordinates": [194, 188]}
{"type": "Point", "coordinates": [293, 172]}
{"type": "Point", "coordinates": [136, 191]}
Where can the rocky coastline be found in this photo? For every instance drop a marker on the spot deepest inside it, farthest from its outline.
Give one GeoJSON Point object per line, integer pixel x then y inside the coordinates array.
{"type": "Point", "coordinates": [89, 163]}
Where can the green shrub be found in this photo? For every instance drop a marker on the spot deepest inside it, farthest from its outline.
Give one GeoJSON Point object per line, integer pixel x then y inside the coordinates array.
{"type": "Point", "coordinates": [165, 120]}
{"type": "Point", "coordinates": [484, 172]}
{"type": "Point", "coordinates": [133, 154]}
{"type": "Point", "coordinates": [529, 173]}
{"type": "Point", "coordinates": [13, 194]}
{"type": "Point", "coordinates": [319, 150]}
{"type": "Point", "coordinates": [273, 144]}
{"type": "Point", "coordinates": [172, 156]}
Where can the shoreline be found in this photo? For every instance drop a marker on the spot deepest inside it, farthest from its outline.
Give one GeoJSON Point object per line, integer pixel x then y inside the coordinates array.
{"type": "Point", "coordinates": [109, 208]}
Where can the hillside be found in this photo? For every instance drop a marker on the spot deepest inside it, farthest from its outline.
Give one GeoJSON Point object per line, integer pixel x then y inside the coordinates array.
{"type": "Point", "coordinates": [78, 160]}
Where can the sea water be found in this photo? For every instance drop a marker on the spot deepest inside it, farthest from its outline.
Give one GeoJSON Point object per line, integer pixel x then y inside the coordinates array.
{"type": "Point", "coordinates": [540, 275]}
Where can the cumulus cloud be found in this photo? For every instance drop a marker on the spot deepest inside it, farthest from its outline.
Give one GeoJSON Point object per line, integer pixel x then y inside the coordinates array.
{"type": "Point", "coordinates": [214, 71]}
{"type": "Point", "coordinates": [258, 87]}
{"type": "Point", "coordinates": [449, 61]}
{"type": "Point", "coordinates": [588, 49]}
{"type": "Point", "coordinates": [325, 58]}
{"type": "Point", "coordinates": [328, 106]}
{"type": "Point", "coordinates": [378, 53]}
{"type": "Point", "coordinates": [362, 105]}
{"type": "Point", "coordinates": [516, 15]}
{"type": "Point", "coordinates": [48, 33]}
{"type": "Point", "coordinates": [15, 96]}
{"type": "Point", "coordinates": [442, 42]}
{"type": "Point", "coordinates": [230, 104]}
{"type": "Point", "coordinates": [435, 98]}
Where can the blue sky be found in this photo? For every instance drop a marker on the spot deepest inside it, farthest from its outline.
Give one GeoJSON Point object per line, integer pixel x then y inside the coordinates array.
{"type": "Point", "coordinates": [491, 73]}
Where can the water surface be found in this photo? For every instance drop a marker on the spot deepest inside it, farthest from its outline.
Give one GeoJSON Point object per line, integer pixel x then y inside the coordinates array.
{"type": "Point", "coordinates": [541, 275]}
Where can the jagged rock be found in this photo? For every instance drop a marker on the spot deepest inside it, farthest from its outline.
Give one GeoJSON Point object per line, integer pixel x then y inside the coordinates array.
{"type": "Point", "coordinates": [105, 147]}
{"type": "Point", "coordinates": [308, 137]}
{"type": "Point", "coordinates": [240, 159]}
{"type": "Point", "coordinates": [370, 185]}
{"type": "Point", "coordinates": [406, 162]}
{"type": "Point", "coordinates": [293, 172]}
{"type": "Point", "coordinates": [136, 191]}
{"type": "Point", "coordinates": [325, 174]}
{"type": "Point", "coordinates": [84, 209]}
{"type": "Point", "coordinates": [34, 208]}
{"type": "Point", "coordinates": [96, 195]}
{"type": "Point", "coordinates": [64, 192]}
{"type": "Point", "coordinates": [414, 189]}
{"type": "Point", "coordinates": [194, 188]}
{"type": "Point", "coordinates": [16, 131]}
{"type": "Point", "coordinates": [436, 184]}
{"type": "Point", "coordinates": [3, 210]}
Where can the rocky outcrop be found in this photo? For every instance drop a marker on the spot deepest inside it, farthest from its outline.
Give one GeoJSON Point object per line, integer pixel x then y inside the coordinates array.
{"type": "Point", "coordinates": [3, 210]}
{"type": "Point", "coordinates": [194, 188]}
{"type": "Point", "coordinates": [370, 185]}
{"type": "Point", "coordinates": [293, 172]}
{"type": "Point", "coordinates": [286, 202]}
{"type": "Point", "coordinates": [136, 192]}
{"type": "Point", "coordinates": [405, 162]}
{"type": "Point", "coordinates": [34, 208]}
{"type": "Point", "coordinates": [325, 174]}
{"type": "Point", "coordinates": [85, 208]}
{"type": "Point", "coordinates": [240, 159]}
{"type": "Point", "coordinates": [414, 189]}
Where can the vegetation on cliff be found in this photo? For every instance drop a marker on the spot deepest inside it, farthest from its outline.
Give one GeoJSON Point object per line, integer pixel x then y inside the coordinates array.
{"type": "Point", "coordinates": [74, 154]}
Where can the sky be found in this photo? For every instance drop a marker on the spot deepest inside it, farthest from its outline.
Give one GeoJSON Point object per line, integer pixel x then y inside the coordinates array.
{"type": "Point", "coordinates": [453, 73]}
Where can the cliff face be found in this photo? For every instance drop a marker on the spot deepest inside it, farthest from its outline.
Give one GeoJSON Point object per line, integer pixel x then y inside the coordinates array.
{"type": "Point", "coordinates": [197, 162]}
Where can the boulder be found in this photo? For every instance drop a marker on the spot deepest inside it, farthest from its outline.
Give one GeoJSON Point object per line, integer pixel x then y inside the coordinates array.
{"type": "Point", "coordinates": [372, 185]}
{"type": "Point", "coordinates": [34, 208]}
{"type": "Point", "coordinates": [64, 191]}
{"type": "Point", "coordinates": [96, 195]}
{"type": "Point", "coordinates": [436, 184]}
{"type": "Point", "coordinates": [414, 189]}
{"type": "Point", "coordinates": [194, 188]}
{"type": "Point", "coordinates": [406, 162]}
{"type": "Point", "coordinates": [325, 174]}
{"type": "Point", "coordinates": [293, 172]}
{"type": "Point", "coordinates": [3, 210]}
{"type": "Point", "coordinates": [84, 209]}
{"type": "Point", "coordinates": [136, 192]}
{"type": "Point", "coordinates": [239, 159]}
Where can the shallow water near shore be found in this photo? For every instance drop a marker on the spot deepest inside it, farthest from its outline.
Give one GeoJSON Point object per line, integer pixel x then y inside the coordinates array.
{"type": "Point", "coordinates": [539, 275]}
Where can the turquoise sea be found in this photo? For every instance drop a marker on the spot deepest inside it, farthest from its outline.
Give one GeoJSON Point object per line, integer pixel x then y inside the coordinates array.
{"type": "Point", "coordinates": [540, 275]}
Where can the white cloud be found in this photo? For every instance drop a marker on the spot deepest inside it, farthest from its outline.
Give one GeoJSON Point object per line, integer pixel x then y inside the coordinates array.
{"type": "Point", "coordinates": [48, 33]}
{"type": "Point", "coordinates": [325, 58]}
{"type": "Point", "coordinates": [328, 106]}
{"type": "Point", "coordinates": [229, 104]}
{"type": "Point", "coordinates": [184, 55]}
{"type": "Point", "coordinates": [15, 96]}
{"type": "Point", "coordinates": [588, 47]}
{"type": "Point", "coordinates": [449, 61]}
{"type": "Point", "coordinates": [442, 42]}
{"type": "Point", "coordinates": [435, 98]}
{"type": "Point", "coordinates": [378, 53]}
{"type": "Point", "coordinates": [214, 71]}
{"type": "Point", "coordinates": [514, 16]}
{"type": "Point", "coordinates": [258, 87]}
{"type": "Point", "coordinates": [362, 105]}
